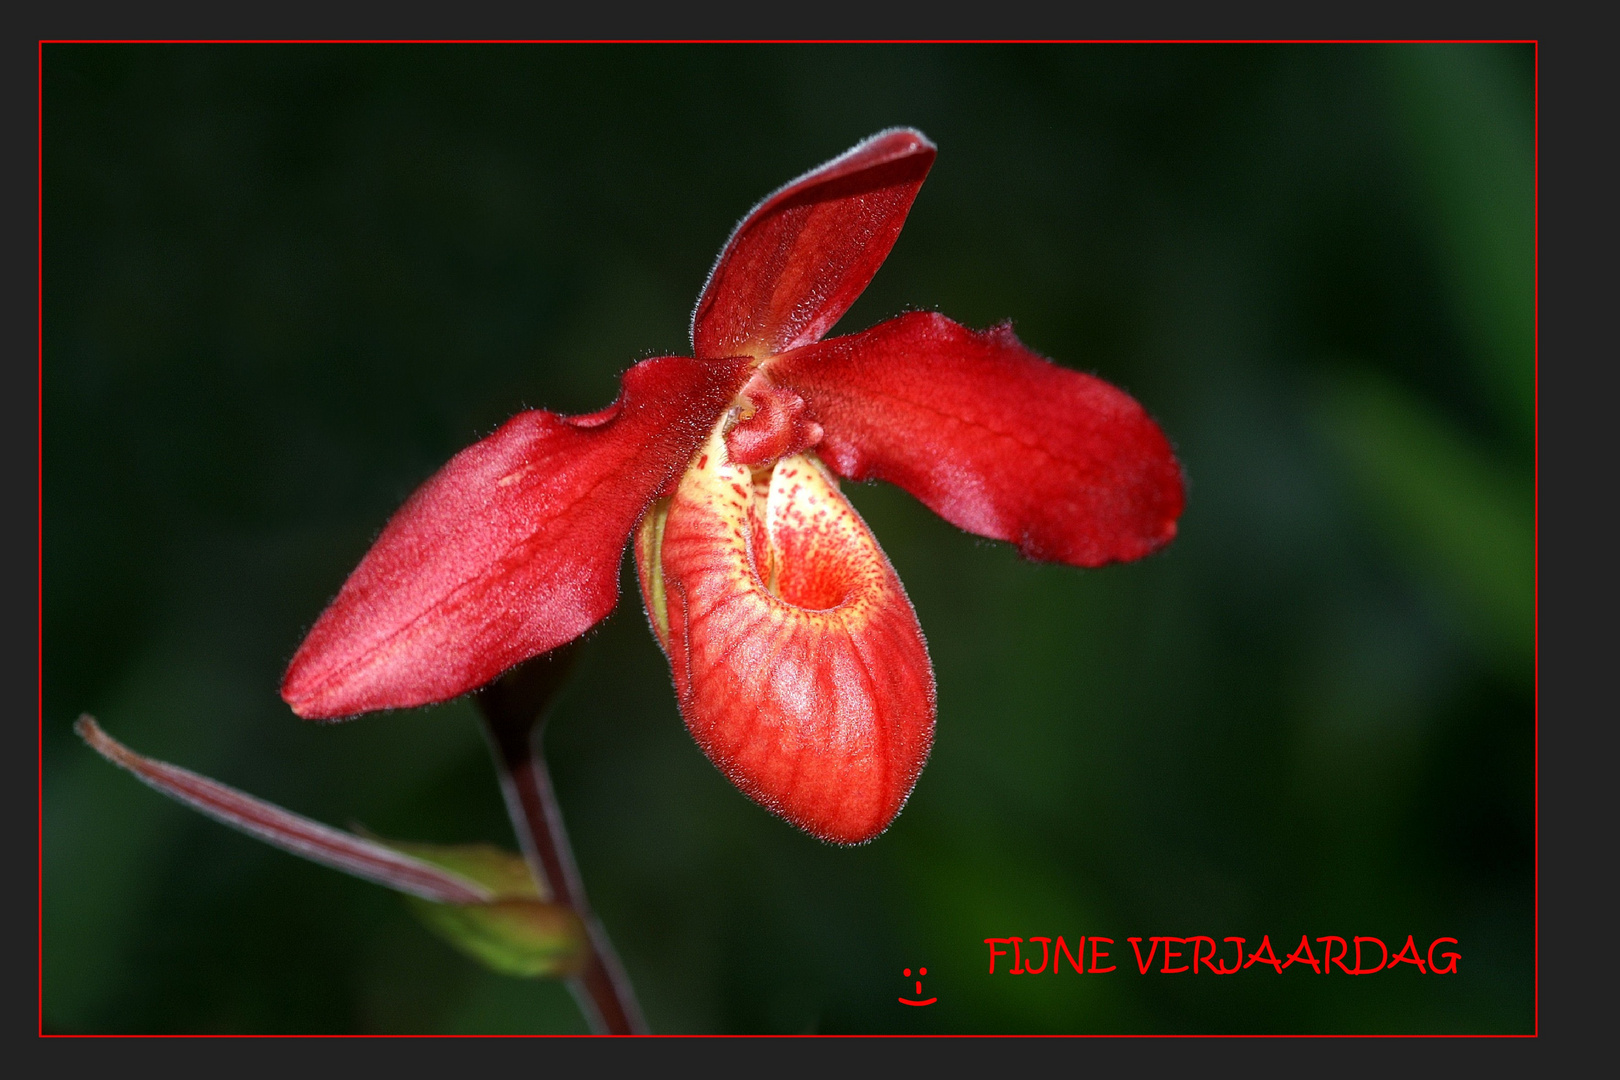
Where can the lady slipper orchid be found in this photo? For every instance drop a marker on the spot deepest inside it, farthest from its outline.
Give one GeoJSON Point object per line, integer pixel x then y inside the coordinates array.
{"type": "Point", "coordinates": [798, 662]}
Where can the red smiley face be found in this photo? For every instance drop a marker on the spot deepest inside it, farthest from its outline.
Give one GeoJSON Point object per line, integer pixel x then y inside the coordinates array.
{"type": "Point", "coordinates": [909, 1001]}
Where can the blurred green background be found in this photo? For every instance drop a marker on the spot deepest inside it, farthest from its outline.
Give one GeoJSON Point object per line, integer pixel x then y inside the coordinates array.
{"type": "Point", "coordinates": [285, 284]}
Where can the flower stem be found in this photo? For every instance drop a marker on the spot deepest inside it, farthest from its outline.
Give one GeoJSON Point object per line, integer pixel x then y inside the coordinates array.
{"type": "Point", "coordinates": [514, 708]}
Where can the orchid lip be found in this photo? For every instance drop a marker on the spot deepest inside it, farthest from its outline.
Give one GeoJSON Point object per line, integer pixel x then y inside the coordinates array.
{"type": "Point", "coordinates": [798, 662]}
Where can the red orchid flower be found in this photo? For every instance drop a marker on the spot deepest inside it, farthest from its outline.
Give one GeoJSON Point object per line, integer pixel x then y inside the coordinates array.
{"type": "Point", "coordinates": [797, 659]}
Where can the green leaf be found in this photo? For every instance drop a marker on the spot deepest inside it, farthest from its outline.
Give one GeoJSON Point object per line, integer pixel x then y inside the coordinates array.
{"type": "Point", "coordinates": [517, 932]}
{"type": "Point", "coordinates": [362, 856]}
{"type": "Point", "coordinates": [488, 904]}
{"type": "Point", "coordinates": [527, 938]}
{"type": "Point", "coordinates": [505, 875]}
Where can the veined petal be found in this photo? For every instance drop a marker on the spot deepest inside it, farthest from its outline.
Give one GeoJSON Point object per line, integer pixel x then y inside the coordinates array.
{"type": "Point", "coordinates": [992, 437]}
{"type": "Point", "coordinates": [509, 550]}
{"type": "Point", "coordinates": [801, 257]}
{"type": "Point", "coordinates": [798, 662]}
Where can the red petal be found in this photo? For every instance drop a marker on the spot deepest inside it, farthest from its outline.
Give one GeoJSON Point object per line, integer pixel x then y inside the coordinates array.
{"type": "Point", "coordinates": [509, 550]}
{"type": "Point", "coordinates": [798, 662]}
{"type": "Point", "coordinates": [992, 437]}
{"type": "Point", "coordinates": [801, 257]}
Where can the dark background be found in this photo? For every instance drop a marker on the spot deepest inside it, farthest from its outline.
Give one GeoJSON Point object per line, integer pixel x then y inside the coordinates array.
{"type": "Point", "coordinates": [285, 284]}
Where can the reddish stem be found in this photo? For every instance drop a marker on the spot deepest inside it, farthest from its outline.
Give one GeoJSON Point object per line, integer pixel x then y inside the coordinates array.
{"type": "Point", "coordinates": [514, 709]}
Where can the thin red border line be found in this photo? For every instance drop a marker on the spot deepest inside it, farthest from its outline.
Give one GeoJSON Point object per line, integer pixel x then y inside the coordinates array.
{"type": "Point", "coordinates": [39, 530]}
{"type": "Point", "coordinates": [39, 493]}
{"type": "Point", "coordinates": [39, 465]}
{"type": "Point", "coordinates": [39, 522]}
{"type": "Point", "coordinates": [1536, 497]}
{"type": "Point", "coordinates": [790, 41]}
{"type": "Point", "coordinates": [864, 1035]}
